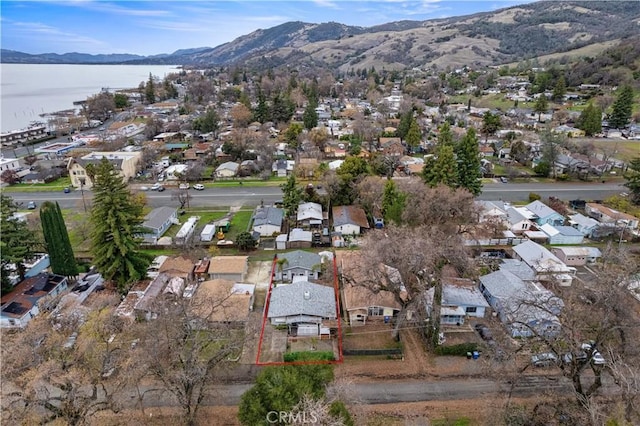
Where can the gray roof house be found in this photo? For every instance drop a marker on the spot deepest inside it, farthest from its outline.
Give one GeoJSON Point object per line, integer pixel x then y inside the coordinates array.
{"type": "Point", "coordinates": [267, 220]}
{"type": "Point", "coordinates": [458, 302]}
{"type": "Point", "coordinates": [526, 308]}
{"type": "Point", "coordinates": [157, 222]}
{"type": "Point", "coordinates": [562, 234]}
{"type": "Point", "coordinates": [546, 265]}
{"type": "Point", "coordinates": [303, 306]}
{"type": "Point", "coordinates": [544, 214]}
{"type": "Point", "coordinates": [586, 225]}
{"type": "Point", "coordinates": [228, 169]}
{"type": "Point", "coordinates": [518, 268]}
{"type": "Point", "coordinates": [310, 214]}
{"type": "Point", "coordinates": [298, 263]}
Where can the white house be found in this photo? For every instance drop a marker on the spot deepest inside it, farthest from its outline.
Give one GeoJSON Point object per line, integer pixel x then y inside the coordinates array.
{"type": "Point", "coordinates": [267, 220]}
{"type": "Point", "coordinates": [546, 265]}
{"type": "Point", "coordinates": [227, 170]}
{"type": "Point", "coordinates": [526, 308]}
{"type": "Point", "coordinates": [349, 220]}
{"type": "Point", "coordinates": [562, 234]}
{"type": "Point", "coordinates": [175, 171]}
{"type": "Point", "coordinates": [298, 263]}
{"type": "Point", "coordinates": [23, 303]}
{"type": "Point", "coordinates": [304, 307]}
{"type": "Point", "coordinates": [458, 303]}
{"type": "Point", "coordinates": [310, 214]}
{"type": "Point", "coordinates": [586, 225]}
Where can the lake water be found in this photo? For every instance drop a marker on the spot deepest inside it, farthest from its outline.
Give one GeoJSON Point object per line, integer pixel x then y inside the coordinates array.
{"type": "Point", "coordinates": [29, 90]}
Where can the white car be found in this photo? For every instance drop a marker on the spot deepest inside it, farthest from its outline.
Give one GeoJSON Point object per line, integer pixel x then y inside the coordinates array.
{"type": "Point", "coordinates": [184, 186]}
{"type": "Point", "coordinates": [156, 186]}
{"type": "Point", "coordinates": [198, 186]}
{"type": "Point", "coordinates": [144, 188]}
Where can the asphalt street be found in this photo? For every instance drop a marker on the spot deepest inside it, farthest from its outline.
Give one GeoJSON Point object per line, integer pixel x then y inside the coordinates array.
{"type": "Point", "coordinates": [252, 196]}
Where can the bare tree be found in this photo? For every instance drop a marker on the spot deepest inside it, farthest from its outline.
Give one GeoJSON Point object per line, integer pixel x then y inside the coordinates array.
{"type": "Point", "coordinates": [187, 348]}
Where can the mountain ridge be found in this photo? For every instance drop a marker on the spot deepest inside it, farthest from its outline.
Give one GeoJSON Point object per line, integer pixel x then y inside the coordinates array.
{"type": "Point", "coordinates": [505, 35]}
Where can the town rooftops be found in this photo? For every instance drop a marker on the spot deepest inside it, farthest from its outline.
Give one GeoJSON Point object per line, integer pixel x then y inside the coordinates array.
{"type": "Point", "coordinates": [27, 293]}
{"type": "Point", "coordinates": [309, 211]}
{"type": "Point", "coordinates": [540, 209]}
{"type": "Point", "coordinates": [177, 266]}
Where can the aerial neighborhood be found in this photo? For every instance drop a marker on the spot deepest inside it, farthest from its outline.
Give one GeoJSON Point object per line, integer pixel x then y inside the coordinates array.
{"type": "Point", "coordinates": [395, 246]}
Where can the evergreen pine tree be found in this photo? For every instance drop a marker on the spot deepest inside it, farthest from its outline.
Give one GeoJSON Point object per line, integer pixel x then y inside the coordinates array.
{"type": "Point", "coordinates": [56, 237]}
{"type": "Point", "coordinates": [541, 106]}
{"type": "Point", "coordinates": [559, 90]}
{"type": "Point", "coordinates": [590, 120]}
{"type": "Point", "coordinates": [622, 108]}
{"type": "Point", "coordinates": [17, 242]}
{"type": "Point", "coordinates": [392, 203]}
{"type": "Point", "coordinates": [116, 219]}
{"type": "Point", "coordinates": [469, 174]}
{"type": "Point", "coordinates": [150, 90]}
{"type": "Point", "coordinates": [310, 116]}
{"type": "Point", "coordinates": [261, 112]}
{"type": "Point", "coordinates": [445, 136]}
{"type": "Point", "coordinates": [413, 136]}
{"type": "Point", "coordinates": [443, 169]}
{"type": "Point", "coordinates": [405, 123]}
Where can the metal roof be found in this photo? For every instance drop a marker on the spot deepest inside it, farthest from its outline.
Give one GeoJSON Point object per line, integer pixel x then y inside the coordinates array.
{"type": "Point", "coordinates": [302, 298]}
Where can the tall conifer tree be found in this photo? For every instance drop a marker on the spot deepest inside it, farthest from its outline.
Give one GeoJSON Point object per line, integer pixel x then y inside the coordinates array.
{"type": "Point", "coordinates": [116, 218]}
{"type": "Point", "coordinates": [469, 174]}
{"type": "Point", "coordinates": [61, 257]}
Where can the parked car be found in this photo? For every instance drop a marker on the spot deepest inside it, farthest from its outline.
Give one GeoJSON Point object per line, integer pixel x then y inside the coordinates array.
{"type": "Point", "coordinates": [156, 187]}
{"type": "Point", "coordinates": [546, 359]}
{"type": "Point", "coordinates": [484, 331]}
{"type": "Point", "coordinates": [67, 190]}
{"type": "Point", "coordinates": [184, 186]}
{"type": "Point", "coordinates": [31, 205]}
{"type": "Point", "coordinates": [504, 179]}
{"type": "Point", "coordinates": [144, 188]}
{"type": "Point", "coordinates": [161, 188]}
{"type": "Point", "coordinates": [198, 186]}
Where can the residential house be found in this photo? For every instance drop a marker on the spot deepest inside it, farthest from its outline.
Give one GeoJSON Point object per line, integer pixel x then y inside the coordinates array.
{"type": "Point", "coordinates": [126, 129]}
{"type": "Point", "coordinates": [267, 220]}
{"type": "Point", "coordinates": [491, 211]}
{"type": "Point", "coordinates": [392, 146]}
{"type": "Point", "coordinates": [298, 263]}
{"type": "Point", "coordinates": [349, 220]}
{"type": "Point", "coordinates": [307, 309]}
{"type": "Point", "coordinates": [525, 308]}
{"type": "Point", "coordinates": [546, 265]}
{"type": "Point", "coordinates": [299, 238]}
{"type": "Point", "coordinates": [362, 304]}
{"type": "Point", "coordinates": [9, 164]}
{"type": "Point", "coordinates": [577, 256]}
{"type": "Point", "coordinates": [126, 163]}
{"type": "Point", "coordinates": [610, 216]}
{"type": "Point", "coordinates": [227, 170]}
{"type": "Point", "coordinates": [176, 171]}
{"type": "Point", "coordinates": [33, 266]}
{"type": "Point", "coordinates": [585, 225]}
{"type": "Point", "coordinates": [518, 268]}
{"type": "Point", "coordinates": [154, 268]}
{"type": "Point", "coordinates": [518, 219]}
{"type": "Point", "coordinates": [23, 303]}
{"type": "Point", "coordinates": [544, 214]}
{"type": "Point", "coordinates": [232, 268]}
{"type": "Point", "coordinates": [281, 167]}
{"type": "Point", "coordinates": [562, 234]}
{"type": "Point", "coordinates": [178, 267]}
{"type": "Point", "coordinates": [460, 299]}
{"type": "Point", "coordinates": [157, 222]}
{"type": "Point", "coordinates": [233, 301]}
{"type": "Point", "coordinates": [310, 215]}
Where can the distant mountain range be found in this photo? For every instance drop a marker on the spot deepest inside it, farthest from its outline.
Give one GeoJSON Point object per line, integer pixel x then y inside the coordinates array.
{"type": "Point", "coordinates": [491, 38]}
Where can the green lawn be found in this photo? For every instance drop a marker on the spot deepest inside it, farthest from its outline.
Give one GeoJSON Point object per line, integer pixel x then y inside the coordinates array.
{"type": "Point", "coordinates": [56, 185]}
{"type": "Point", "coordinates": [240, 222]}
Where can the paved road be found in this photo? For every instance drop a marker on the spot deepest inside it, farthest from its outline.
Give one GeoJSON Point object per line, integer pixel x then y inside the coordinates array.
{"type": "Point", "coordinates": [251, 196]}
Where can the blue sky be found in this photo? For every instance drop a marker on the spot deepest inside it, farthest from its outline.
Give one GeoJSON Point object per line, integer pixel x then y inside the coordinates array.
{"type": "Point", "coordinates": [153, 27]}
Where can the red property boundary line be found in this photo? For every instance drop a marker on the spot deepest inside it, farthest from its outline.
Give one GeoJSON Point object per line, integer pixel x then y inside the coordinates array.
{"type": "Point", "coordinates": [336, 289]}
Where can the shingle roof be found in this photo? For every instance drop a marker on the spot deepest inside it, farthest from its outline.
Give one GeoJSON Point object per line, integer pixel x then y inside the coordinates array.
{"type": "Point", "coordinates": [350, 215]}
{"type": "Point", "coordinates": [300, 259]}
{"type": "Point", "coordinates": [540, 209]}
{"type": "Point", "coordinates": [519, 269]}
{"type": "Point", "coordinates": [309, 211]}
{"type": "Point", "coordinates": [268, 216]}
{"type": "Point", "coordinates": [462, 295]}
{"type": "Point", "coordinates": [228, 264]}
{"type": "Point", "coordinates": [302, 298]}
{"type": "Point", "coordinates": [158, 216]}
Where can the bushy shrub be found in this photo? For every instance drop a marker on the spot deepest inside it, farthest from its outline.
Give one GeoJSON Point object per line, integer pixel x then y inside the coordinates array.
{"type": "Point", "coordinates": [456, 350]}
{"type": "Point", "coordinates": [309, 356]}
